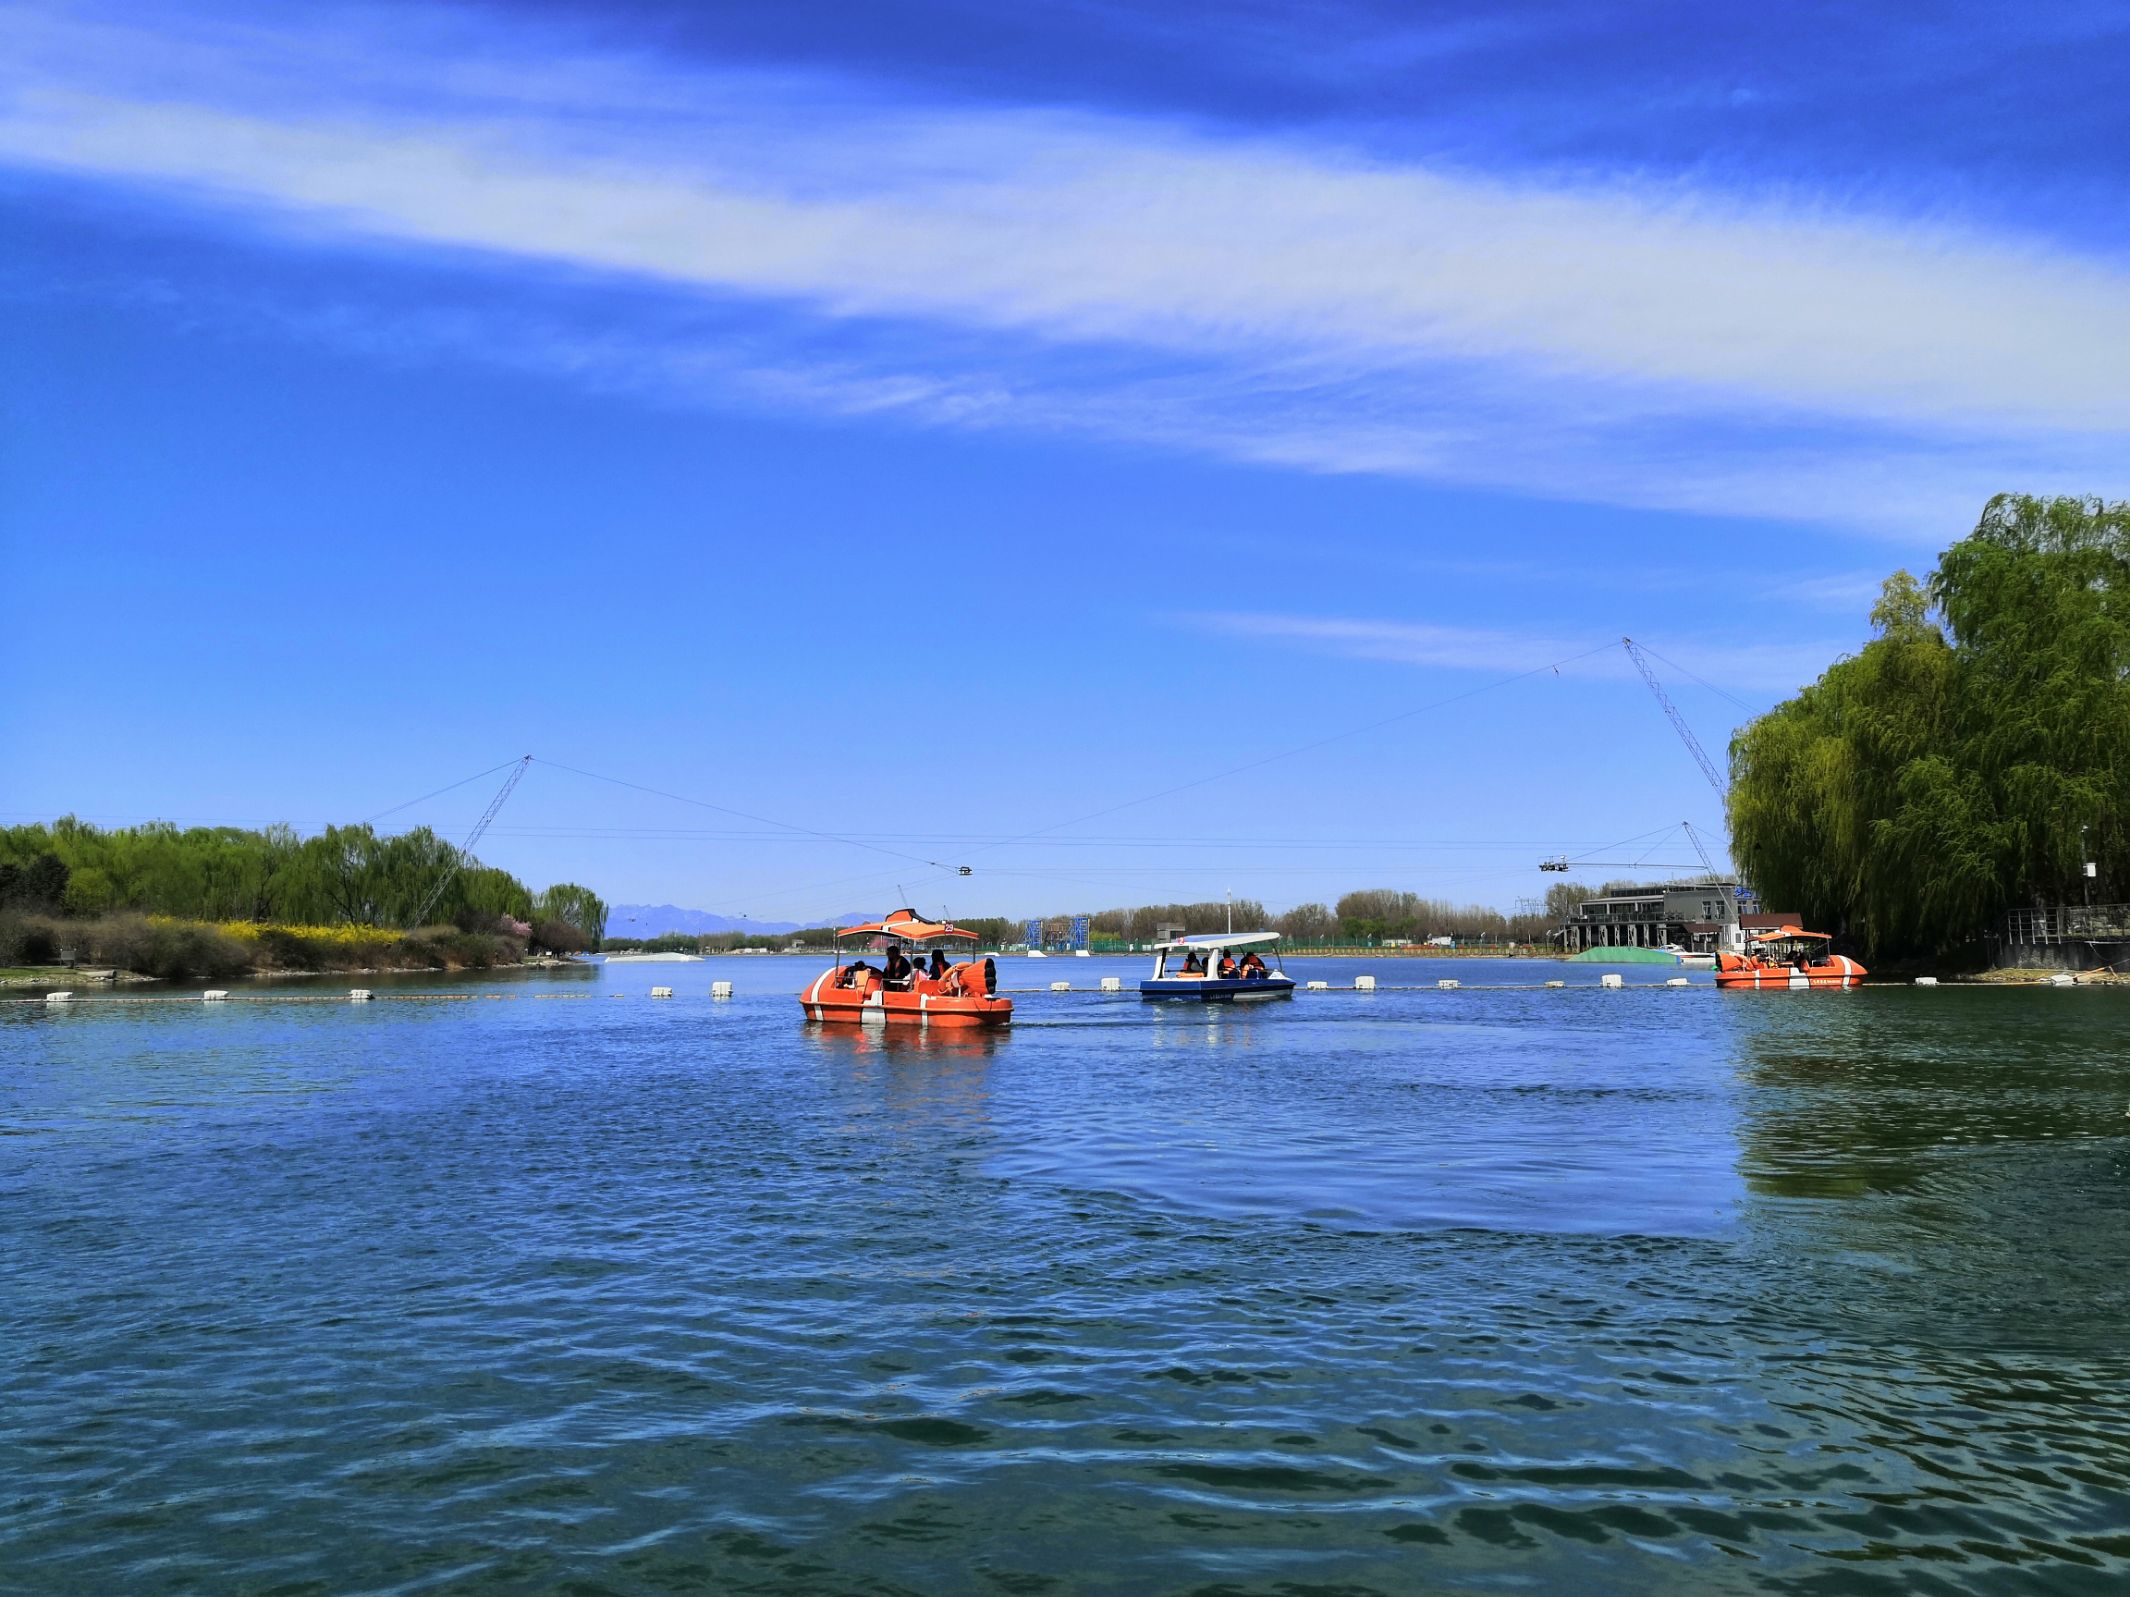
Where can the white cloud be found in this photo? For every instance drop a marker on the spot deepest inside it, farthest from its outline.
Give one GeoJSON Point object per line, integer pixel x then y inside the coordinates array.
{"type": "Point", "coordinates": [1303, 306]}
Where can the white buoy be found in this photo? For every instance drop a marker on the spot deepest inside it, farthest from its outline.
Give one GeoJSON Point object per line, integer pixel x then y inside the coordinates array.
{"type": "Point", "coordinates": [721, 989]}
{"type": "Point", "coordinates": [1556, 983]}
{"type": "Point", "coordinates": [1364, 984]}
{"type": "Point", "coordinates": [1112, 984]}
{"type": "Point", "coordinates": [1448, 982]}
{"type": "Point", "coordinates": [214, 993]}
{"type": "Point", "coordinates": [1612, 978]}
{"type": "Point", "coordinates": [358, 995]}
{"type": "Point", "coordinates": [1677, 981]}
{"type": "Point", "coordinates": [1926, 981]}
{"type": "Point", "coordinates": [59, 998]}
{"type": "Point", "coordinates": [1061, 986]}
{"type": "Point", "coordinates": [1082, 953]}
{"type": "Point", "coordinates": [1319, 986]}
{"type": "Point", "coordinates": [661, 992]}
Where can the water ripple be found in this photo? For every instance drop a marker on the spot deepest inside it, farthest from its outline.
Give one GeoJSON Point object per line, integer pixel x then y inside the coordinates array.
{"type": "Point", "coordinates": [1545, 1291]}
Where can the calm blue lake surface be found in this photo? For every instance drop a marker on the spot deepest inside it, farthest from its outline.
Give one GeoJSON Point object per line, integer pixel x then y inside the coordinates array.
{"type": "Point", "coordinates": [547, 1290]}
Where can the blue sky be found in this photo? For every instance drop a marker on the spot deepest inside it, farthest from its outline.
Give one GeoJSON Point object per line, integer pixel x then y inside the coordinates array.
{"type": "Point", "coordinates": [931, 425]}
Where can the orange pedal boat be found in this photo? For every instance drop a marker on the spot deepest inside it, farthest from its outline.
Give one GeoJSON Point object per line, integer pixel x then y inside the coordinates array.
{"type": "Point", "coordinates": [963, 994]}
{"type": "Point", "coordinates": [1788, 958]}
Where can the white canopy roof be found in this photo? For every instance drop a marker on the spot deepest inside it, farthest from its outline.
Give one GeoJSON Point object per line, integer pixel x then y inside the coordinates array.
{"type": "Point", "coordinates": [1210, 940]}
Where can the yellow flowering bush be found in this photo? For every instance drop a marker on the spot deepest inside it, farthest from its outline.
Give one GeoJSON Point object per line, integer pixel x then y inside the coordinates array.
{"type": "Point", "coordinates": [285, 946]}
{"type": "Point", "coordinates": [338, 937]}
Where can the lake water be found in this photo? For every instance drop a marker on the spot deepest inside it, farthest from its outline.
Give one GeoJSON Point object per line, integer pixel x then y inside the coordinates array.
{"type": "Point", "coordinates": [1653, 1290]}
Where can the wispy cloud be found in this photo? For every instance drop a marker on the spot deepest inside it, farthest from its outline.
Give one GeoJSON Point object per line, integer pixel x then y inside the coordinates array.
{"type": "Point", "coordinates": [1290, 304]}
{"type": "Point", "coordinates": [1844, 593]}
{"type": "Point", "coordinates": [1766, 667]}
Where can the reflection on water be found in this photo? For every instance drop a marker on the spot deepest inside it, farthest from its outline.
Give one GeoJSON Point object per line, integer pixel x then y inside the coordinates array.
{"type": "Point", "coordinates": [1633, 1291]}
{"type": "Point", "coordinates": [902, 1042]}
{"type": "Point", "coordinates": [1519, 1110]}
{"type": "Point", "coordinates": [1980, 1157]}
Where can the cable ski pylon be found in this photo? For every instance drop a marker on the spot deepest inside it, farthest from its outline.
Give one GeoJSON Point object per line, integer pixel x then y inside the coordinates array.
{"type": "Point", "coordinates": [510, 782]}
{"type": "Point", "coordinates": [1678, 721]}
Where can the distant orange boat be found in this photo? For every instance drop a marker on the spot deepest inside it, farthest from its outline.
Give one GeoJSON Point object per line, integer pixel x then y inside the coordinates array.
{"type": "Point", "coordinates": [902, 990]}
{"type": "Point", "coordinates": [1788, 957]}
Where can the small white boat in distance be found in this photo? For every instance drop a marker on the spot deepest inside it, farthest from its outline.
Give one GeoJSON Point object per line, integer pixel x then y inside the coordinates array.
{"type": "Point", "coordinates": [1219, 968]}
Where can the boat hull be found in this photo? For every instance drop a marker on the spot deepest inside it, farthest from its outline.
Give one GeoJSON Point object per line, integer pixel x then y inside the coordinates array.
{"type": "Point", "coordinates": [1836, 972]}
{"type": "Point", "coordinates": [1213, 990]}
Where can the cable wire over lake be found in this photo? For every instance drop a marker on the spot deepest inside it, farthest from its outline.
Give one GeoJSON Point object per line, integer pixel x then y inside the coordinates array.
{"type": "Point", "coordinates": [961, 867]}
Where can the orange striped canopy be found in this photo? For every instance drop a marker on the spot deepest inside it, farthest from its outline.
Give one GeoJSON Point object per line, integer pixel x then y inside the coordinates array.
{"type": "Point", "coordinates": [905, 925]}
{"type": "Point", "coordinates": [1791, 931]}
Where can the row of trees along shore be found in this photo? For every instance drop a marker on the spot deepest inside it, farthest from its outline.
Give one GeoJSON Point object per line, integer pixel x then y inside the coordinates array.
{"type": "Point", "coordinates": [1371, 916]}
{"type": "Point", "coordinates": [214, 901]}
{"type": "Point", "coordinates": [1970, 757]}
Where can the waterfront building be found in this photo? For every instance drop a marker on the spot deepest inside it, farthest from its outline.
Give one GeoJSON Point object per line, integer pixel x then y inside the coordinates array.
{"type": "Point", "coordinates": [1690, 914]}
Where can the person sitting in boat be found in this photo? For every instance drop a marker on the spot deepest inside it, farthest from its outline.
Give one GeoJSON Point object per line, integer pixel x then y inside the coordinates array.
{"type": "Point", "coordinates": [1193, 965]}
{"type": "Point", "coordinates": [900, 972]}
{"type": "Point", "coordinates": [1227, 966]}
{"type": "Point", "coordinates": [938, 972]}
{"type": "Point", "coordinates": [1253, 968]}
{"type": "Point", "coordinates": [859, 976]}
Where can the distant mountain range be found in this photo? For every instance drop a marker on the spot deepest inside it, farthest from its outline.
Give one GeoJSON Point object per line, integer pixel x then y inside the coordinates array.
{"type": "Point", "coordinates": [656, 920]}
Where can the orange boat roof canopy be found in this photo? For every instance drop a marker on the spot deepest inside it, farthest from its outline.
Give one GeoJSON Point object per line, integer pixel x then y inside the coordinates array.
{"type": "Point", "coordinates": [908, 926]}
{"type": "Point", "coordinates": [1791, 931]}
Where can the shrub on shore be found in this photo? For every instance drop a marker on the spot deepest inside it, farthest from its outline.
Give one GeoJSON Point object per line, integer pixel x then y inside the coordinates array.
{"type": "Point", "coordinates": [185, 950]}
{"type": "Point", "coordinates": [25, 940]}
{"type": "Point", "coordinates": [174, 950]}
{"type": "Point", "coordinates": [448, 948]}
{"type": "Point", "coordinates": [323, 948]}
{"type": "Point", "coordinates": [559, 937]}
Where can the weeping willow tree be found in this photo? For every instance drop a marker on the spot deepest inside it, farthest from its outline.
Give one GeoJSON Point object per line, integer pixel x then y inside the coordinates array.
{"type": "Point", "coordinates": [1943, 774]}
{"type": "Point", "coordinates": [579, 908]}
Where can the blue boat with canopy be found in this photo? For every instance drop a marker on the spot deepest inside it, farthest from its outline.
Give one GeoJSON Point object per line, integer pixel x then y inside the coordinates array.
{"type": "Point", "coordinates": [1219, 968]}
